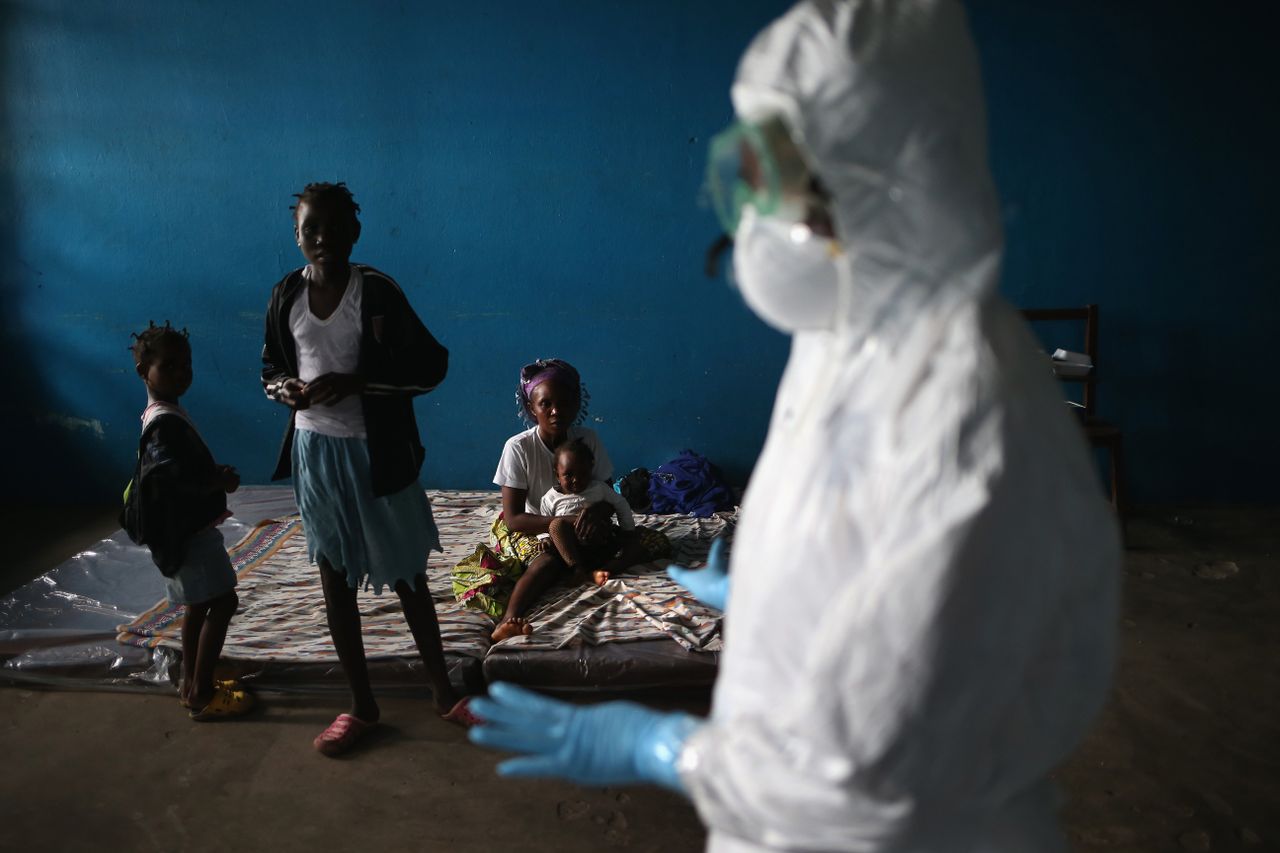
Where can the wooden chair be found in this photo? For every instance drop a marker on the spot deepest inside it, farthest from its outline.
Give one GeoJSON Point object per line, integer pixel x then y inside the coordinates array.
{"type": "Point", "coordinates": [1099, 432]}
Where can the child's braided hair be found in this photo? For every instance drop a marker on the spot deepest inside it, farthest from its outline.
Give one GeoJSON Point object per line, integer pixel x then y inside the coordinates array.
{"type": "Point", "coordinates": [146, 342]}
{"type": "Point", "coordinates": [323, 191]}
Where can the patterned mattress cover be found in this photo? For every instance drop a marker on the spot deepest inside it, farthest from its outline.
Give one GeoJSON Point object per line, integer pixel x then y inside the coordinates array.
{"type": "Point", "coordinates": [281, 616]}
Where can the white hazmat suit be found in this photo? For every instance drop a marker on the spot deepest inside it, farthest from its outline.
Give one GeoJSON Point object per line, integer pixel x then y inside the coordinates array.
{"type": "Point", "coordinates": [923, 589]}
{"type": "Point", "coordinates": [925, 576]}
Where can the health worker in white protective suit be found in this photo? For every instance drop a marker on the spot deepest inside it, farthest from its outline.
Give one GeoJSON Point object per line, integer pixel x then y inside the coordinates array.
{"type": "Point", "coordinates": [925, 576]}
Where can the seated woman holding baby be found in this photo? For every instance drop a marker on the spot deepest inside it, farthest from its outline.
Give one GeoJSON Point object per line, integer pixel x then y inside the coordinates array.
{"type": "Point", "coordinates": [558, 510]}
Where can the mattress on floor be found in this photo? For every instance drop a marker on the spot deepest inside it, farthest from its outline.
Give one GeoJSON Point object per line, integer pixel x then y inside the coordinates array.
{"type": "Point", "coordinates": [100, 618]}
{"type": "Point", "coordinates": [639, 666]}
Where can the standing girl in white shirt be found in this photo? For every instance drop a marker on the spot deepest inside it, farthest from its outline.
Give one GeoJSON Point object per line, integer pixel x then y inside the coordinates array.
{"type": "Point", "coordinates": [346, 353]}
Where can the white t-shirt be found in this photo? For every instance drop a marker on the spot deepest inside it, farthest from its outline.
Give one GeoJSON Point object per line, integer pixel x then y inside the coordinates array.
{"type": "Point", "coordinates": [529, 464]}
{"type": "Point", "coordinates": [325, 346]}
{"type": "Point", "coordinates": [556, 502]}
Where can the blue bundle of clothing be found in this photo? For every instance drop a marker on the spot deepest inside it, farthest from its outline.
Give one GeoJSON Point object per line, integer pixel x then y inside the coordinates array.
{"type": "Point", "coordinates": [689, 484]}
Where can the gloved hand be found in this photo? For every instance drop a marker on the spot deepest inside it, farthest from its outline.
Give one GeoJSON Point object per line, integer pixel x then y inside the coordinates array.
{"type": "Point", "coordinates": [613, 743]}
{"type": "Point", "coordinates": [709, 585]}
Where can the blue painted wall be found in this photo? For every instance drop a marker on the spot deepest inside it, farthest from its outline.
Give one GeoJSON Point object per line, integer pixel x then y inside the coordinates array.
{"type": "Point", "coordinates": [530, 172]}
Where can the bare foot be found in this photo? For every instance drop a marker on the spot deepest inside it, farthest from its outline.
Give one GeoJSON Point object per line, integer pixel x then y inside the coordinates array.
{"type": "Point", "coordinates": [513, 627]}
{"type": "Point", "coordinates": [600, 576]}
{"type": "Point", "coordinates": [196, 700]}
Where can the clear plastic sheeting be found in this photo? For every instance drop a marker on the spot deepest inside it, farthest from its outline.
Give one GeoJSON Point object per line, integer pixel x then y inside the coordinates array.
{"type": "Point", "coordinates": [60, 629]}
{"type": "Point", "coordinates": [62, 626]}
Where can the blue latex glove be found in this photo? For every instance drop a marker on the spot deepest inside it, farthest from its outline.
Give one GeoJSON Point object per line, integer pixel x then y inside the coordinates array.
{"type": "Point", "coordinates": [614, 743]}
{"type": "Point", "coordinates": [709, 585]}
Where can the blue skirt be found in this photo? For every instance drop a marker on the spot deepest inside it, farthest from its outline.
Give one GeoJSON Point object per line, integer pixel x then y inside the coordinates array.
{"type": "Point", "coordinates": [373, 541]}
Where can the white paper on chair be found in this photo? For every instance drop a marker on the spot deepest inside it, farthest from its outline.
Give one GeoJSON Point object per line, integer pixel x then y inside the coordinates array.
{"type": "Point", "coordinates": [1071, 364]}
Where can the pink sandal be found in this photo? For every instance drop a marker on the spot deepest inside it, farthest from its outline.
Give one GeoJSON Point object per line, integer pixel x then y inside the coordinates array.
{"type": "Point", "coordinates": [462, 714]}
{"type": "Point", "coordinates": [341, 735]}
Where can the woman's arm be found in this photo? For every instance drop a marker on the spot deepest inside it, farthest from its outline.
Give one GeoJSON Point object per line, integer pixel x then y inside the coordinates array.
{"type": "Point", "coordinates": [518, 518]}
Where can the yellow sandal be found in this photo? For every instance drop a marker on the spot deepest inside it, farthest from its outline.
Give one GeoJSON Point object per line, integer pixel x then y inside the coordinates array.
{"type": "Point", "coordinates": [231, 683]}
{"type": "Point", "coordinates": [227, 701]}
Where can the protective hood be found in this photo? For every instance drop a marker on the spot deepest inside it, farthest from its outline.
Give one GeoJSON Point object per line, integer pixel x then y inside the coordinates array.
{"type": "Point", "coordinates": [884, 98]}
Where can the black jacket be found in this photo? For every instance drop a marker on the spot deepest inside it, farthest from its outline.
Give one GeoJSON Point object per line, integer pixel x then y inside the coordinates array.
{"type": "Point", "coordinates": [399, 359]}
{"type": "Point", "coordinates": [170, 499]}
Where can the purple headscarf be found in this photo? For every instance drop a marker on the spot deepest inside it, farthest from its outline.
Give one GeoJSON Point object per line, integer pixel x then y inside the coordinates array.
{"type": "Point", "coordinates": [550, 370]}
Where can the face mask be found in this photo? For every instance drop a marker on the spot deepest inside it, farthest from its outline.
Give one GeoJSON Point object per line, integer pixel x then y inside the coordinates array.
{"type": "Point", "coordinates": [791, 284]}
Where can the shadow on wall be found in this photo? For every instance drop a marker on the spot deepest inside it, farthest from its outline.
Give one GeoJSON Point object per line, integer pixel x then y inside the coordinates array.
{"type": "Point", "coordinates": [47, 437]}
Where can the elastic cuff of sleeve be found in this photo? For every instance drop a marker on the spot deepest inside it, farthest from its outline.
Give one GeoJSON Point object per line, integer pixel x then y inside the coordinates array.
{"type": "Point", "coordinates": [659, 752]}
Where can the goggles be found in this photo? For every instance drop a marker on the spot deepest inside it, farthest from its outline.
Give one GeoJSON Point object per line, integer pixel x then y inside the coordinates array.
{"type": "Point", "coordinates": [758, 164]}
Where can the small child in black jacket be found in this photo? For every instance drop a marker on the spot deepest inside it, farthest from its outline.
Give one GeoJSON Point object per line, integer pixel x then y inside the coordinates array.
{"type": "Point", "coordinates": [174, 506]}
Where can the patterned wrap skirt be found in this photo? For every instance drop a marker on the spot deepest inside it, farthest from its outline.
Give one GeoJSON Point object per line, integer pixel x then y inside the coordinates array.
{"type": "Point", "coordinates": [484, 580]}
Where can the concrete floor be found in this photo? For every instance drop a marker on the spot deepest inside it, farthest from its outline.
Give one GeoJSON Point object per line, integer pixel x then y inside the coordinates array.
{"type": "Point", "coordinates": [1185, 757]}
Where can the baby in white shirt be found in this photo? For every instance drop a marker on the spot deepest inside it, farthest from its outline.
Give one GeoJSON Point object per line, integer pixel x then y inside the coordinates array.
{"type": "Point", "coordinates": [574, 492]}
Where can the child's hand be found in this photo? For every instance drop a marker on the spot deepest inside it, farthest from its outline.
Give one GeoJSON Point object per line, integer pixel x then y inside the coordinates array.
{"type": "Point", "coordinates": [229, 478]}
{"type": "Point", "coordinates": [293, 393]}
{"type": "Point", "coordinates": [593, 521]}
{"type": "Point", "coordinates": [333, 387]}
